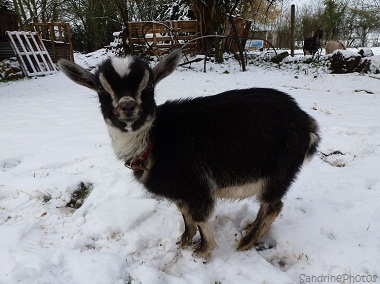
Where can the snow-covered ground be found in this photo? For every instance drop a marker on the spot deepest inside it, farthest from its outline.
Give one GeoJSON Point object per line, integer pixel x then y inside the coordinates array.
{"type": "Point", "coordinates": [53, 138]}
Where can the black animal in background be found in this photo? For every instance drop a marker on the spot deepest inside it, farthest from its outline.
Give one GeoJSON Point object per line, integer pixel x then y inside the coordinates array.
{"type": "Point", "coordinates": [236, 144]}
{"type": "Point", "coordinates": [312, 44]}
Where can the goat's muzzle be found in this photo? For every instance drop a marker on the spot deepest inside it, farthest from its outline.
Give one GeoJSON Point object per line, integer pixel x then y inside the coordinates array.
{"type": "Point", "coordinates": [128, 105]}
{"type": "Point", "coordinates": [128, 109]}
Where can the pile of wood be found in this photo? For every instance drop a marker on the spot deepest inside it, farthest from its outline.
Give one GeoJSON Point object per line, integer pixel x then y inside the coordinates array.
{"type": "Point", "coordinates": [343, 61]}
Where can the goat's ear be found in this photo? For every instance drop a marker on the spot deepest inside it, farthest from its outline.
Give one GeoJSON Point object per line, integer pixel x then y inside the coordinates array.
{"type": "Point", "coordinates": [167, 65]}
{"type": "Point", "coordinates": [77, 73]}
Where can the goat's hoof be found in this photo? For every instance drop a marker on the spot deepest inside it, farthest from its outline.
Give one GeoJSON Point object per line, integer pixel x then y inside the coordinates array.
{"type": "Point", "coordinates": [184, 242]}
{"type": "Point", "coordinates": [204, 249]}
{"type": "Point", "coordinates": [203, 256]}
{"type": "Point", "coordinates": [197, 245]}
{"type": "Point", "coordinates": [201, 251]}
{"type": "Point", "coordinates": [245, 244]}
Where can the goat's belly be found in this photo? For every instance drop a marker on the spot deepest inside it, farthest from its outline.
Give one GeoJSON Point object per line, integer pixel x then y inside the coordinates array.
{"type": "Point", "coordinates": [242, 191]}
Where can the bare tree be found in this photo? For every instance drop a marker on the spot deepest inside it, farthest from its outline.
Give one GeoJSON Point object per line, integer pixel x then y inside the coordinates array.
{"type": "Point", "coordinates": [37, 11]}
{"type": "Point", "coordinates": [364, 19]}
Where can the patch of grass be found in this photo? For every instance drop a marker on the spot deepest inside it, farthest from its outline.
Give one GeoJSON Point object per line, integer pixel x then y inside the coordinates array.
{"type": "Point", "coordinates": [47, 197]}
{"type": "Point", "coordinates": [80, 194]}
{"type": "Point", "coordinates": [129, 280]}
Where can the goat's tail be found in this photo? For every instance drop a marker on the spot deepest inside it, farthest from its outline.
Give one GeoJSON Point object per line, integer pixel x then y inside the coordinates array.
{"type": "Point", "coordinates": [314, 139]}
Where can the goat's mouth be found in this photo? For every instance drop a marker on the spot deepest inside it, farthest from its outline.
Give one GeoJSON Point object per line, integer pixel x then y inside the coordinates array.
{"type": "Point", "coordinates": [129, 119]}
{"type": "Point", "coordinates": [128, 116]}
{"type": "Point", "coordinates": [128, 122]}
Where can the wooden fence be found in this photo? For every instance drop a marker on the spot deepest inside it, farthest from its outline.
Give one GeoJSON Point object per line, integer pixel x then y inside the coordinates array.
{"type": "Point", "coordinates": [57, 39]}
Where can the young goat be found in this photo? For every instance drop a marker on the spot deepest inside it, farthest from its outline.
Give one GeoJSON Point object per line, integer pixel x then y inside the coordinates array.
{"type": "Point", "coordinates": [236, 144]}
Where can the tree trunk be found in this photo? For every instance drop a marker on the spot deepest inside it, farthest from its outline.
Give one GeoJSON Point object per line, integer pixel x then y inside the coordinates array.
{"type": "Point", "coordinates": [206, 14]}
{"type": "Point", "coordinates": [235, 32]}
{"type": "Point", "coordinates": [124, 16]}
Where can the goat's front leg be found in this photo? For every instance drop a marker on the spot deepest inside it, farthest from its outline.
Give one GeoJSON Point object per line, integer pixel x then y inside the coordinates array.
{"type": "Point", "coordinates": [190, 227]}
{"type": "Point", "coordinates": [207, 243]}
{"type": "Point", "coordinates": [200, 211]}
{"type": "Point", "coordinates": [195, 216]}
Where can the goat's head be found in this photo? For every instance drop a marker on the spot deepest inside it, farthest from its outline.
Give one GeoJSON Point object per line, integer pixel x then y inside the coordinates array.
{"type": "Point", "coordinates": [125, 87]}
{"type": "Point", "coordinates": [318, 34]}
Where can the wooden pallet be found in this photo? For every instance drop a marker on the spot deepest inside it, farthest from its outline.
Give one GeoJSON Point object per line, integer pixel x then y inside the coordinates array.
{"type": "Point", "coordinates": [156, 38]}
{"type": "Point", "coordinates": [159, 37]}
{"type": "Point", "coordinates": [31, 53]}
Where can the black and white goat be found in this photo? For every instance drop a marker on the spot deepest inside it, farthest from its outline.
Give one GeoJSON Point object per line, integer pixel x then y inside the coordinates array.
{"type": "Point", "coordinates": [236, 144]}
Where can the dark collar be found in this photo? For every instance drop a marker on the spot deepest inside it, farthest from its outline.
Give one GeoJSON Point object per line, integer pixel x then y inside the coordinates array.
{"type": "Point", "coordinates": [136, 164]}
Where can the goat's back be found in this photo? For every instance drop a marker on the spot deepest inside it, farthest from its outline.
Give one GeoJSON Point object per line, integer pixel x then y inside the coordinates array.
{"type": "Point", "coordinates": [236, 137]}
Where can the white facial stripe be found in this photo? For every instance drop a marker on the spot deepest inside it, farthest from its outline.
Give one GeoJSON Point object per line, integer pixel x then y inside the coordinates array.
{"type": "Point", "coordinates": [144, 82]}
{"type": "Point", "coordinates": [122, 65]}
{"type": "Point", "coordinates": [108, 88]}
{"type": "Point", "coordinates": [142, 86]}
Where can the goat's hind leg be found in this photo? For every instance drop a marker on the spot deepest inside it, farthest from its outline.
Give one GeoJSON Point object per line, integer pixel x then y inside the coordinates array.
{"type": "Point", "coordinates": [268, 212]}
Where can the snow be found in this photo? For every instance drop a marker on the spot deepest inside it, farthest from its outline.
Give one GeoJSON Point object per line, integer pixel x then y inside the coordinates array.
{"type": "Point", "coordinates": [375, 63]}
{"type": "Point", "coordinates": [346, 53]}
{"type": "Point", "coordinates": [53, 138]}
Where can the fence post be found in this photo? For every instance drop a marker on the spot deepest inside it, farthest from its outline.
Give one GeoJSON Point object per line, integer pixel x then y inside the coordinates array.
{"type": "Point", "coordinates": [292, 28]}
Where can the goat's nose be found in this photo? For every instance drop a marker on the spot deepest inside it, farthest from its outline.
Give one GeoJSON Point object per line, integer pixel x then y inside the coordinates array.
{"type": "Point", "coordinates": [127, 105]}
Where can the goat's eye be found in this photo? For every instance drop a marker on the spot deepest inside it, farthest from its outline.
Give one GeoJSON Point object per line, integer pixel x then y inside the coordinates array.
{"type": "Point", "coordinates": [100, 89]}
{"type": "Point", "coordinates": [149, 86]}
